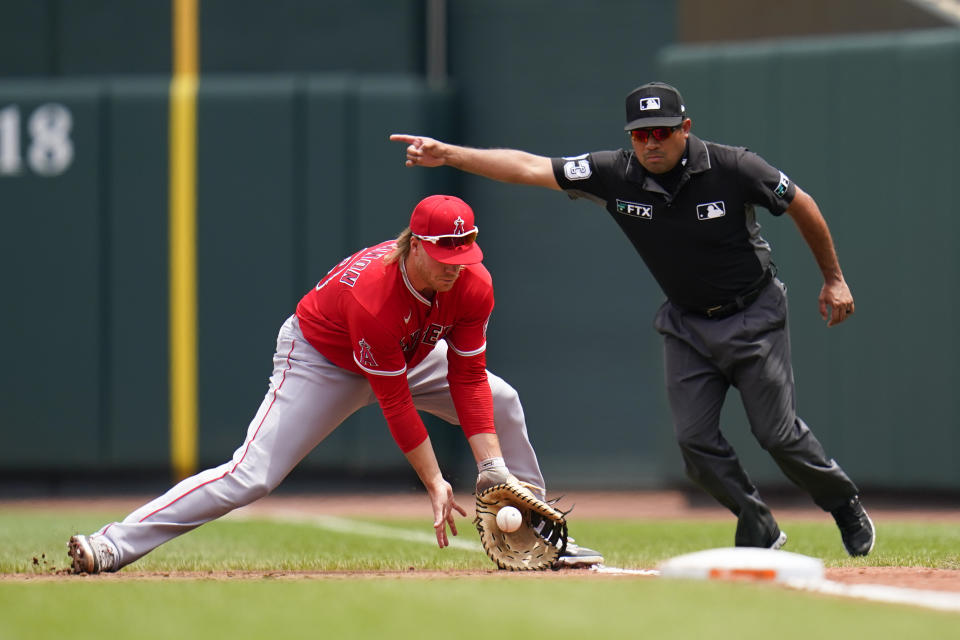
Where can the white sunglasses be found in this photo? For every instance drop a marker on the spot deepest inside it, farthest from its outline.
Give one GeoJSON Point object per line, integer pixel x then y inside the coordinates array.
{"type": "Point", "coordinates": [452, 240]}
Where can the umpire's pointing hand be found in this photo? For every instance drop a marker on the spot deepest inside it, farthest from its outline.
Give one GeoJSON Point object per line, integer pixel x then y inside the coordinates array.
{"type": "Point", "coordinates": [421, 151]}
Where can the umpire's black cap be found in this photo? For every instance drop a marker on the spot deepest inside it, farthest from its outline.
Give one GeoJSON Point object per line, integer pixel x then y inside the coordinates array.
{"type": "Point", "coordinates": [655, 104]}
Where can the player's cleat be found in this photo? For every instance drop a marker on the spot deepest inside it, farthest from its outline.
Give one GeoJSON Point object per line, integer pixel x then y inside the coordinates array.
{"type": "Point", "coordinates": [780, 541]}
{"type": "Point", "coordinates": [576, 556]}
{"type": "Point", "coordinates": [91, 554]}
{"type": "Point", "coordinates": [856, 527]}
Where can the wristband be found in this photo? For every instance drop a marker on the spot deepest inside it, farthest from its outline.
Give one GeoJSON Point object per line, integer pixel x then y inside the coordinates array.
{"type": "Point", "coordinates": [491, 463]}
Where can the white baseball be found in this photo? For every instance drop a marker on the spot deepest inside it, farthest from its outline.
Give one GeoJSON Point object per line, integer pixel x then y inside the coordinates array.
{"type": "Point", "coordinates": [509, 519]}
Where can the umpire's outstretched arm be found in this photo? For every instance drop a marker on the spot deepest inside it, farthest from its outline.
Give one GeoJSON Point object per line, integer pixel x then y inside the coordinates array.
{"type": "Point", "coordinates": [505, 165]}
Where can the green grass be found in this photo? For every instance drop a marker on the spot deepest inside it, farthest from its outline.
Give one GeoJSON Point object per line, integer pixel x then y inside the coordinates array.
{"type": "Point", "coordinates": [261, 545]}
{"type": "Point", "coordinates": [448, 608]}
{"type": "Point", "coordinates": [401, 606]}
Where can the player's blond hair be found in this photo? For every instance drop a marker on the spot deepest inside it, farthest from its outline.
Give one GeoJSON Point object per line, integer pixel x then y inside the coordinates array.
{"type": "Point", "coordinates": [402, 249]}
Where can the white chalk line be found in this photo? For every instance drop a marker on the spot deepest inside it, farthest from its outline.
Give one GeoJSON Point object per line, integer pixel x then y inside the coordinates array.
{"type": "Point", "coordinates": [617, 571]}
{"type": "Point", "coordinates": [359, 527]}
{"type": "Point", "coordinates": [940, 600]}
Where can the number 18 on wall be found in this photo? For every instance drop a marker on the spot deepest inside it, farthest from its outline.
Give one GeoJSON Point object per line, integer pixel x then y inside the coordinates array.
{"type": "Point", "coordinates": [49, 150]}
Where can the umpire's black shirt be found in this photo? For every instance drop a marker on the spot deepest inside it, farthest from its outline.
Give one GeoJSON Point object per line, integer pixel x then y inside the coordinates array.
{"type": "Point", "coordinates": [701, 241]}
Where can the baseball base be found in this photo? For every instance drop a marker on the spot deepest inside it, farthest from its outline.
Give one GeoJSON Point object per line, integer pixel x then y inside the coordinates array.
{"type": "Point", "coordinates": [743, 563]}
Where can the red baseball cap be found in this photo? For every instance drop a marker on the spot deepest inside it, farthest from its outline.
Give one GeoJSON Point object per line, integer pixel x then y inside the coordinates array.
{"type": "Point", "coordinates": [445, 226]}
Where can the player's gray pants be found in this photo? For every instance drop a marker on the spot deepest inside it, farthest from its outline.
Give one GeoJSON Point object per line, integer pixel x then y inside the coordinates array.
{"type": "Point", "coordinates": [307, 399]}
{"type": "Point", "coordinates": [749, 350]}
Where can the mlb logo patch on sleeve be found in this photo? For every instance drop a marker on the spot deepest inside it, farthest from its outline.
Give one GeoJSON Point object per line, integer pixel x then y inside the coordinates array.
{"type": "Point", "coordinates": [711, 210]}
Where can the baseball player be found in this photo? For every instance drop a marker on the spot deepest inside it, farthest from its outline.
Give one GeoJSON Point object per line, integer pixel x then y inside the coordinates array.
{"type": "Point", "coordinates": [402, 323]}
{"type": "Point", "coordinates": [688, 207]}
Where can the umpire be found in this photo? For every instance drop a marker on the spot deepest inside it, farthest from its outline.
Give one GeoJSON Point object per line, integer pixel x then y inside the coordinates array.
{"type": "Point", "coordinates": [688, 207]}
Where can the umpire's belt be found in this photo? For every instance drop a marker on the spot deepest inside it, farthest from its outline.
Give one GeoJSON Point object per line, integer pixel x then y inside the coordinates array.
{"type": "Point", "coordinates": [743, 300]}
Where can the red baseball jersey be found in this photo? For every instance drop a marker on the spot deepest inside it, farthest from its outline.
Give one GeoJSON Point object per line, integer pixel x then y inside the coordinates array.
{"type": "Point", "coordinates": [366, 317]}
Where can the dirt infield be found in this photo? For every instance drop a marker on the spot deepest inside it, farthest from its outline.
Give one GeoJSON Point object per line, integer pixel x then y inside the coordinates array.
{"type": "Point", "coordinates": [640, 505]}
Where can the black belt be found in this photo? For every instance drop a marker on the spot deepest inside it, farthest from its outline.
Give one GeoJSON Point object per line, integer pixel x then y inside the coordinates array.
{"type": "Point", "coordinates": [743, 300]}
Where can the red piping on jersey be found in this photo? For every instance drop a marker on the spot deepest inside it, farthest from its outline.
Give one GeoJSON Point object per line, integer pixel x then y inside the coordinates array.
{"type": "Point", "coordinates": [282, 380]}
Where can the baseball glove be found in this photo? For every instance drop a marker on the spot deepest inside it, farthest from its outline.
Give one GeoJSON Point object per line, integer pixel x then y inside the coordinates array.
{"type": "Point", "coordinates": [541, 538]}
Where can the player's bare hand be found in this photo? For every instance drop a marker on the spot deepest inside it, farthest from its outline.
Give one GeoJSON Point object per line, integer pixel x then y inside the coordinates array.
{"type": "Point", "coordinates": [421, 151]}
{"type": "Point", "coordinates": [836, 302]}
{"type": "Point", "coordinates": [441, 497]}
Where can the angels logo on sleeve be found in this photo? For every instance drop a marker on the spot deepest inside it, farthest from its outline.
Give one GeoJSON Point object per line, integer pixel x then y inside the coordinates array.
{"type": "Point", "coordinates": [365, 357]}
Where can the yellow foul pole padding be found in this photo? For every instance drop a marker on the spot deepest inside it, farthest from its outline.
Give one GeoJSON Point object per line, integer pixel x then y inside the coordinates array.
{"type": "Point", "coordinates": [183, 241]}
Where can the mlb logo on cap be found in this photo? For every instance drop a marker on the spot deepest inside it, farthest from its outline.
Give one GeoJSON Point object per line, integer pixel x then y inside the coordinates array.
{"type": "Point", "coordinates": [649, 103]}
{"type": "Point", "coordinates": [654, 105]}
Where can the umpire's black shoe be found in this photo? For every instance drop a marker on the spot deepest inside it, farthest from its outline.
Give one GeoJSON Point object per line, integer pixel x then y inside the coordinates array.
{"type": "Point", "coordinates": [780, 541]}
{"type": "Point", "coordinates": [856, 528]}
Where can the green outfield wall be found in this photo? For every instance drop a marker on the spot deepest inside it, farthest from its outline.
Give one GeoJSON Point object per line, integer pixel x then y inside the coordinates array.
{"type": "Point", "coordinates": [89, 37]}
{"type": "Point", "coordinates": [290, 178]}
{"type": "Point", "coordinates": [294, 170]}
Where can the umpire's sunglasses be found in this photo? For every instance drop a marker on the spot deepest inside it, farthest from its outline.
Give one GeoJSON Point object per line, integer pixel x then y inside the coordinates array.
{"type": "Point", "coordinates": [659, 133]}
{"type": "Point", "coordinates": [453, 240]}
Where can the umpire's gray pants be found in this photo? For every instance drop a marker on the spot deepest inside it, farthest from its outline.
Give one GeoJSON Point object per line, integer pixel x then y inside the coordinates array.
{"type": "Point", "coordinates": [750, 350]}
{"type": "Point", "coordinates": [307, 399]}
